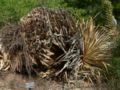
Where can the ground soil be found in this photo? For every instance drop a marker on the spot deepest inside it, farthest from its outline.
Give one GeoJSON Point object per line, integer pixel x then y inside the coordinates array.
{"type": "Point", "coordinates": [11, 81]}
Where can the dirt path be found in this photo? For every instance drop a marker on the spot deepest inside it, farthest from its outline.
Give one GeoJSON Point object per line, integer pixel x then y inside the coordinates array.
{"type": "Point", "coordinates": [9, 81]}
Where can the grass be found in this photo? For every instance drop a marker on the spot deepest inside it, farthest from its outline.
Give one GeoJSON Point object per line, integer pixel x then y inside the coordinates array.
{"type": "Point", "coordinates": [115, 62]}
{"type": "Point", "coordinates": [13, 10]}
{"type": "Point", "coordinates": [116, 68]}
{"type": "Point", "coordinates": [113, 73]}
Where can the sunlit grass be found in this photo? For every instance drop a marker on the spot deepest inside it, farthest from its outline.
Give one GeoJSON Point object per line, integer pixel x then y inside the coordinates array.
{"type": "Point", "coordinates": [12, 10]}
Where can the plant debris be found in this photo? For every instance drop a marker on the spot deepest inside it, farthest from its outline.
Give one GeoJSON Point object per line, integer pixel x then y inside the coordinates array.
{"type": "Point", "coordinates": [51, 44]}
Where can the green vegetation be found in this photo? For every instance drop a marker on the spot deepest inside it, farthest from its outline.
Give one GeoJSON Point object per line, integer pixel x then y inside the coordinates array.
{"type": "Point", "coordinates": [13, 10]}
{"type": "Point", "coordinates": [107, 13]}
{"type": "Point", "coordinates": [114, 70]}
{"type": "Point", "coordinates": [116, 8]}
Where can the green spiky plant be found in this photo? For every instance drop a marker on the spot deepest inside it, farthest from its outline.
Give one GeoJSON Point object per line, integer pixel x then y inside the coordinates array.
{"type": "Point", "coordinates": [107, 10]}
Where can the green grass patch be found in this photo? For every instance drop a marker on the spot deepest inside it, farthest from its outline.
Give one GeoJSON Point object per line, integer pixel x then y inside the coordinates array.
{"type": "Point", "coordinates": [114, 70]}
{"type": "Point", "coordinates": [12, 10]}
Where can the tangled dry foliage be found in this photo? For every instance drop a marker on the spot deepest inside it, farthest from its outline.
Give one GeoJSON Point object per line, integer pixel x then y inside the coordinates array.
{"type": "Point", "coordinates": [50, 43]}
